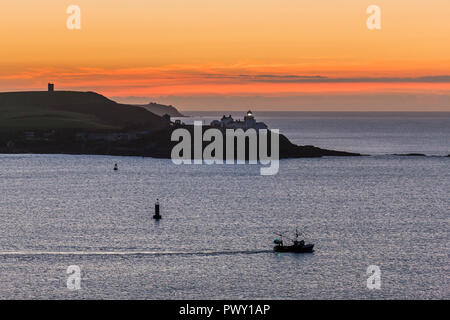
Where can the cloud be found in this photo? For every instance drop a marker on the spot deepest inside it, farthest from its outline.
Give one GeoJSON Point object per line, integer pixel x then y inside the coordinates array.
{"type": "Point", "coordinates": [265, 86]}
{"type": "Point", "coordinates": [325, 79]}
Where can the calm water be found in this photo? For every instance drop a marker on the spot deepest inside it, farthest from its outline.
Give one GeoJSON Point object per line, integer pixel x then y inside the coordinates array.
{"type": "Point", "coordinates": [216, 236]}
{"type": "Point", "coordinates": [375, 133]}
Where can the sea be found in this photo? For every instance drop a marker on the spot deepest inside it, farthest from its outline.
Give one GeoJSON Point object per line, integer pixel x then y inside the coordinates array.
{"type": "Point", "coordinates": [381, 211]}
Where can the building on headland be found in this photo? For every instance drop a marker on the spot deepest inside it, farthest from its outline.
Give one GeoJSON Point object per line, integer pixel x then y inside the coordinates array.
{"type": "Point", "coordinates": [51, 87]}
{"type": "Point", "coordinates": [249, 122]}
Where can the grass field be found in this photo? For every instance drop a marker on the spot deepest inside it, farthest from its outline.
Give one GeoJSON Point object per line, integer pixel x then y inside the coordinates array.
{"type": "Point", "coordinates": [69, 110]}
{"type": "Point", "coordinates": [32, 117]}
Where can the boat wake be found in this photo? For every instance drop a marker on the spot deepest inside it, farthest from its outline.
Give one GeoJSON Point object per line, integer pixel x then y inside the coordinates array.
{"type": "Point", "coordinates": [129, 253]}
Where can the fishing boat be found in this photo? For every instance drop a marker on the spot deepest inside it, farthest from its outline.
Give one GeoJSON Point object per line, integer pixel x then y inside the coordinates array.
{"type": "Point", "coordinates": [296, 247]}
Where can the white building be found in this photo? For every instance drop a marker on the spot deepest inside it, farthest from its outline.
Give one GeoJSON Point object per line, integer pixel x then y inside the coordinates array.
{"type": "Point", "coordinates": [248, 123]}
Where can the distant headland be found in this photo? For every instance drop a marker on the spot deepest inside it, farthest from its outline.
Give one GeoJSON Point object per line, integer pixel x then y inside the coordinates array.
{"type": "Point", "coordinates": [161, 109]}
{"type": "Point", "coordinates": [73, 122]}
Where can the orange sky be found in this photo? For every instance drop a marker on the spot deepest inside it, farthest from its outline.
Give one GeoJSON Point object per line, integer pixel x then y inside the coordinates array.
{"type": "Point", "coordinates": [209, 54]}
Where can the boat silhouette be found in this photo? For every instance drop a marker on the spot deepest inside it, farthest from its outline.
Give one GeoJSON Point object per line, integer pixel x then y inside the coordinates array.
{"type": "Point", "coordinates": [296, 247]}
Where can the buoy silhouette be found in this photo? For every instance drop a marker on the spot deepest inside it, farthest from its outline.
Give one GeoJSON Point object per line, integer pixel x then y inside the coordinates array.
{"type": "Point", "coordinates": [157, 216]}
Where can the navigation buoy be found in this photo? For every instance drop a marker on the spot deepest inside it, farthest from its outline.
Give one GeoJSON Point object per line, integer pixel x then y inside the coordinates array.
{"type": "Point", "coordinates": [157, 216]}
{"type": "Point", "coordinates": [116, 167]}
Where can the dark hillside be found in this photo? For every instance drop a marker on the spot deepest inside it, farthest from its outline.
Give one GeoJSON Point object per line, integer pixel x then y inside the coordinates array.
{"type": "Point", "coordinates": [44, 110]}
